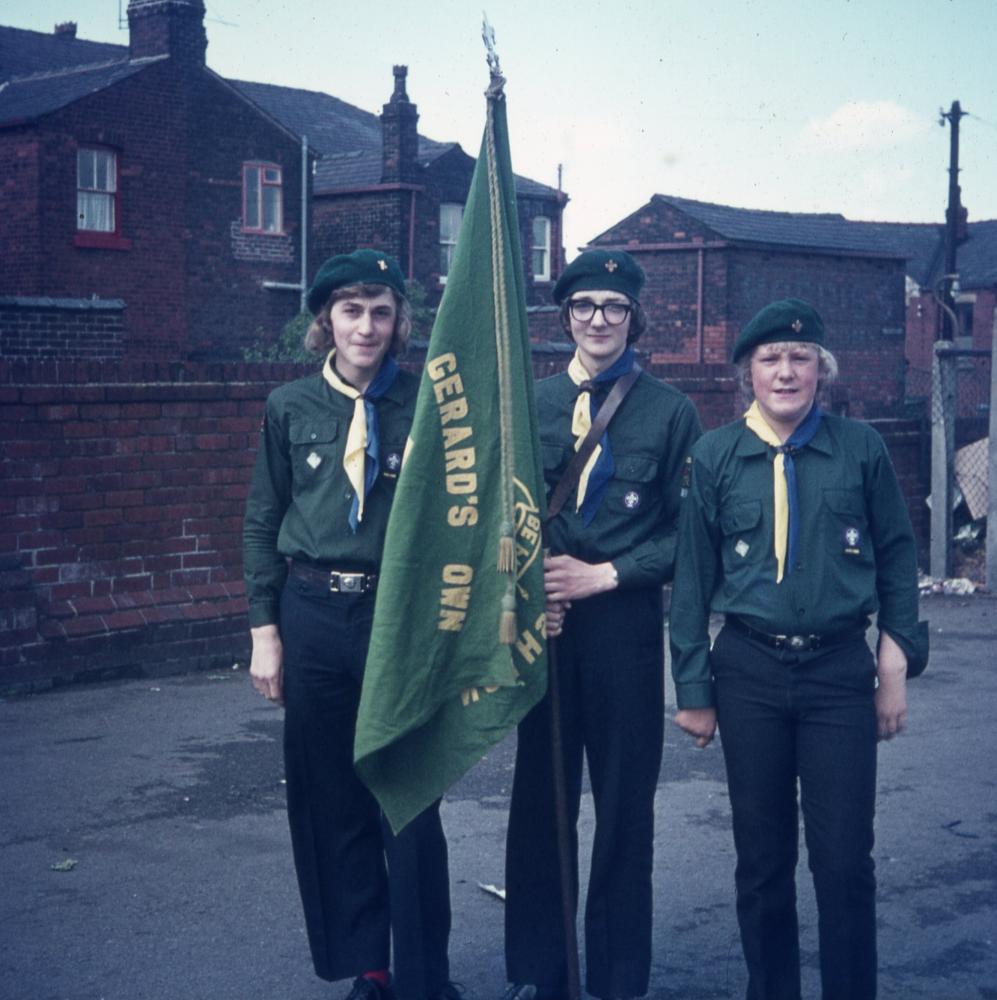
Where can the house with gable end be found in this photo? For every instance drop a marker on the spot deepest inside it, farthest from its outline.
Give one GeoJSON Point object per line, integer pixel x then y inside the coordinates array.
{"type": "Point", "coordinates": [154, 209]}
{"type": "Point", "coordinates": [711, 267]}
{"type": "Point", "coordinates": [377, 182]}
{"type": "Point", "coordinates": [150, 209]}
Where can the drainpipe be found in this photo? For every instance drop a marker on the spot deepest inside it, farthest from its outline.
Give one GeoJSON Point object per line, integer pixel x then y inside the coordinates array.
{"type": "Point", "coordinates": [304, 220]}
{"type": "Point", "coordinates": [699, 306]}
{"type": "Point", "coordinates": [411, 236]}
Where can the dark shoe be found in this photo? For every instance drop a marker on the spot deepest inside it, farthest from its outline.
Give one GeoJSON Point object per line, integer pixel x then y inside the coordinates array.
{"type": "Point", "coordinates": [369, 989]}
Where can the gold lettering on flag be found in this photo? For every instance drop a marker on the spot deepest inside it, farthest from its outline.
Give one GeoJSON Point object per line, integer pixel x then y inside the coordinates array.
{"type": "Point", "coordinates": [454, 596]}
{"type": "Point", "coordinates": [461, 479]}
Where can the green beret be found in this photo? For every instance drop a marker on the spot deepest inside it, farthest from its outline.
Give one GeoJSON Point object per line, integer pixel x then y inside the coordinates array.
{"type": "Point", "coordinates": [787, 319]}
{"type": "Point", "coordinates": [362, 267]}
{"type": "Point", "coordinates": [601, 270]}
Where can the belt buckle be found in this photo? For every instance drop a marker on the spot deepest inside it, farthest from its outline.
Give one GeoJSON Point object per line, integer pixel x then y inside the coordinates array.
{"type": "Point", "coordinates": [798, 642]}
{"type": "Point", "coordinates": [351, 583]}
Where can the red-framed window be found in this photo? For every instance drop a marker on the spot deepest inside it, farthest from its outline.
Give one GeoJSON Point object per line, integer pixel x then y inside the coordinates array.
{"type": "Point", "coordinates": [97, 208]}
{"type": "Point", "coordinates": [262, 198]}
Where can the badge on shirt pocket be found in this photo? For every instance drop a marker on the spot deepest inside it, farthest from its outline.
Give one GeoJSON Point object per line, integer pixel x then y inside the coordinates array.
{"type": "Point", "coordinates": [631, 499]}
{"type": "Point", "coordinates": [853, 541]}
{"type": "Point", "coordinates": [392, 464]}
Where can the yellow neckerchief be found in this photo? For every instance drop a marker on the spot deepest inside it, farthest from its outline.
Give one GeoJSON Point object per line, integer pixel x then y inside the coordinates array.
{"type": "Point", "coordinates": [356, 439]}
{"type": "Point", "coordinates": [581, 422]}
{"type": "Point", "coordinates": [780, 494]}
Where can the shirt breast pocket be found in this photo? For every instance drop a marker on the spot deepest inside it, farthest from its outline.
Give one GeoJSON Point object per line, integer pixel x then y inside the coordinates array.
{"type": "Point", "coordinates": [846, 528]}
{"type": "Point", "coordinates": [555, 460]}
{"type": "Point", "coordinates": [743, 542]}
{"type": "Point", "coordinates": [632, 488]}
{"type": "Point", "coordinates": [315, 452]}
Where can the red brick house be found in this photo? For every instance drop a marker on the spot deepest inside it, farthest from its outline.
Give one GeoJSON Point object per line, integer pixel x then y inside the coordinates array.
{"type": "Point", "coordinates": [379, 183]}
{"type": "Point", "coordinates": [711, 267]}
{"type": "Point", "coordinates": [142, 188]}
{"type": "Point", "coordinates": [153, 209]}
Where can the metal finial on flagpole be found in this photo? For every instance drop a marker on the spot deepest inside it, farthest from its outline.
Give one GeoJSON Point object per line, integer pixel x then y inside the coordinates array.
{"type": "Point", "coordinates": [488, 37]}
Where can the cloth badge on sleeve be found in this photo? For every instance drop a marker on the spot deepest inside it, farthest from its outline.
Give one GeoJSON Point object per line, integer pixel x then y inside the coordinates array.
{"type": "Point", "coordinates": [853, 541]}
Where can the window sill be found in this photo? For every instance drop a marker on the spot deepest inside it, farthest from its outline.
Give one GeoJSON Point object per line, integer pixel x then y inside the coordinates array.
{"type": "Point", "coordinates": [263, 232]}
{"type": "Point", "coordinates": [101, 241]}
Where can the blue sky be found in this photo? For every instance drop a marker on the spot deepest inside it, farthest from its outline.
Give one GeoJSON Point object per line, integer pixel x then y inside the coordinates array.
{"type": "Point", "coordinates": [809, 106]}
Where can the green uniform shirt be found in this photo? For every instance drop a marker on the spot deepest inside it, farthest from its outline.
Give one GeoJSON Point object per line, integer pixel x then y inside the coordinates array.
{"type": "Point", "coordinates": [299, 499]}
{"type": "Point", "coordinates": [856, 547]}
{"type": "Point", "coordinates": [650, 436]}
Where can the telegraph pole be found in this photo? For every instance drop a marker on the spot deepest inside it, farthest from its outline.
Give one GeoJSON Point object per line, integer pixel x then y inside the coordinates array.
{"type": "Point", "coordinates": [952, 213]}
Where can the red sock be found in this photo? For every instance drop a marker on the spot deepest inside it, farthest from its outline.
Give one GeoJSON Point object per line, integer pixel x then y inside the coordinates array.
{"type": "Point", "coordinates": [380, 976]}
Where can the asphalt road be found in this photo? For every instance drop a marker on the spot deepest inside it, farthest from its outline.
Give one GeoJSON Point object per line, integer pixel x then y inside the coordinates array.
{"type": "Point", "coordinates": [164, 800]}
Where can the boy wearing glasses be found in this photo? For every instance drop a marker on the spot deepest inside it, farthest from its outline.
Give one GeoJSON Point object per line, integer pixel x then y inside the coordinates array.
{"type": "Point", "coordinates": [612, 546]}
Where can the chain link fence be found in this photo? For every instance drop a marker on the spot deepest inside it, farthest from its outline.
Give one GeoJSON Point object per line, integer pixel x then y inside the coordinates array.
{"type": "Point", "coordinates": [960, 417]}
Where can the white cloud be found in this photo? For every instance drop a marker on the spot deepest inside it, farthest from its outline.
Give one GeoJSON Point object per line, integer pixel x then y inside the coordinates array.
{"type": "Point", "coordinates": [864, 125]}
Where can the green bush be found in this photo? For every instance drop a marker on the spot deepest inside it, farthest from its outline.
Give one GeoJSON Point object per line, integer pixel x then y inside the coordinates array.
{"type": "Point", "coordinates": [289, 346]}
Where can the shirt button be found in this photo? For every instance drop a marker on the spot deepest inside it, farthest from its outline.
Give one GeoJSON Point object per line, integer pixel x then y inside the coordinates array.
{"type": "Point", "coordinates": [314, 436]}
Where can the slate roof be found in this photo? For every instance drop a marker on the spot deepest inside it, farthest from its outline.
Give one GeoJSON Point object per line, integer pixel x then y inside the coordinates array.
{"type": "Point", "coordinates": [347, 137]}
{"type": "Point", "coordinates": [825, 231]}
{"type": "Point", "coordinates": [921, 244]}
{"type": "Point", "coordinates": [46, 72]}
{"type": "Point", "coordinates": [332, 125]}
{"type": "Point", "coordinates": [977, 256]}
{"type": "Point", "coordinates": [29, 97]}
{"type": "Point", "coordinates": [24, 53]}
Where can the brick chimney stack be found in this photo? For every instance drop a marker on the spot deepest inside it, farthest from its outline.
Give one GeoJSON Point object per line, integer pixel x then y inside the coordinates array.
{"type": "Point", "coordinates": [67, 29]}
{"type": "Point", "coordinates": [167, 27]}
{"type": "Point", "coordinates": [400, 140]}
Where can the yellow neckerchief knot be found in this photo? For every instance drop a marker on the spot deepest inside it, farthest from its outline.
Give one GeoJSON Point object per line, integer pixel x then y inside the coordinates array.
{"type": "Point", "coordinates": [780, 493]}
{"type": "Point", "coordinates": [581, 422]}
{"type": "Point", "coordinates": [356, 439]}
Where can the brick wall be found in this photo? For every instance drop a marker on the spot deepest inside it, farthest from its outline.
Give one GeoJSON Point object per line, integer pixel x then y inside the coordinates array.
{"type": "Point", "coordinates": [691, 271]}
{"type": "Point", "coordinates": [61, 328]}
{"type": "Point", "coordinates": [123, 493]}
{"type": "Point", "coordinates": [124, 487]}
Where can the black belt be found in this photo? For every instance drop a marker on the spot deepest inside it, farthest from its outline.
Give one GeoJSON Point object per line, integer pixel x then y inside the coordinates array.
{"type": "Point", "coordinates": [336, 581]}
{"type": "Point", "coordinates": [796, 643]}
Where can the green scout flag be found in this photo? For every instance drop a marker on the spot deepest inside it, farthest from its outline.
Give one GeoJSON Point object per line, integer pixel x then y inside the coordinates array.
{"type": "Point", "coordinates": [458, 654]}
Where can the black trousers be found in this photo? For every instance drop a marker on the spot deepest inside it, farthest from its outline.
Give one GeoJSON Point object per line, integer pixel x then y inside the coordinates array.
{"type": "Point", "coordinates": [357, 880]}
{"type": "Point", "coordinates": [808, 717]}
{"type": "Point", "coordinates": [611, 669]}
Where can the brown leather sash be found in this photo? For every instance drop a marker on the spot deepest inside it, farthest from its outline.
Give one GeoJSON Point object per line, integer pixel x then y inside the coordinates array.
{"type": "Point", "coordinates": [573, 472]}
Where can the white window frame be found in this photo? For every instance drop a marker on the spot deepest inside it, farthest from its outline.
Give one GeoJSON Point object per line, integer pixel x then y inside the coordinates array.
{"type": "Point", "coordinates": [97, 190]}
{"type": "Point", "coordinates": [451, 215]}
{"type": "Point", "coordinates": [540, 248]}
{"type": "Point", "coordinates": [260, 182]}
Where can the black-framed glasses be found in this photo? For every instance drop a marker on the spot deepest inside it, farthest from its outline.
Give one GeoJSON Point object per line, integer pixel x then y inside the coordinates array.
{"type": "Point", "coordinates": [614, 313]}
